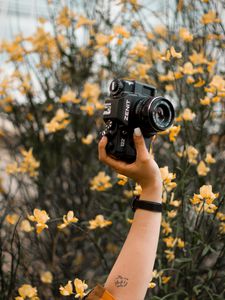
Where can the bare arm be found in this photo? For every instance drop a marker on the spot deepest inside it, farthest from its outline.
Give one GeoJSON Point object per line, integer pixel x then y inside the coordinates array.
{"type": "Point", "coordinates": [132, 271]}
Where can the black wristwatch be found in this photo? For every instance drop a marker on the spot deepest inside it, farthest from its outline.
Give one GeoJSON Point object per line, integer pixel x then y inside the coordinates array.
{"type": "Point", "coordinates": [146, 205]}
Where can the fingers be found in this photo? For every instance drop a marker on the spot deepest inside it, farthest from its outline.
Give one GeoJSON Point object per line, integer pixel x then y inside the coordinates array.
{"type": "Point", "coordinates": [142, 151]}
{"type": "Point", "coordinates": [119, 166]}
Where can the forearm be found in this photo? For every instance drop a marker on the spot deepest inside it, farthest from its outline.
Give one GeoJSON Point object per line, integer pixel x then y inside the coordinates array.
{"type": "Point", "coordinates": [135, 262]}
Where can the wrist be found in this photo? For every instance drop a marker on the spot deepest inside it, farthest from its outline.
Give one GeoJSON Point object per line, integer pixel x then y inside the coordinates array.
{"type": "Point", "coordinates": [152, 193]}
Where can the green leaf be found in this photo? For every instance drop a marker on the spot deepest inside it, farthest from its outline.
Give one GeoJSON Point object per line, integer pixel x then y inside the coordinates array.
{"type": "Point", "coordinates": [197, 289]}
{"type": "Point", "coordinates": [206, 250]}
{"type": "Point", "coordinates": [183, 260]}
{"type": "Point", "coordinates": [177, 293]}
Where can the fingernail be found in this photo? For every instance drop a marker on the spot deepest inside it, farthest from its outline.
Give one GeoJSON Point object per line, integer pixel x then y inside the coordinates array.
{"type": "Point", "coordinates": [137, 131]}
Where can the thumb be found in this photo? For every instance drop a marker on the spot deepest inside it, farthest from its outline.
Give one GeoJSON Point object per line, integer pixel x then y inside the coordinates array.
{"type": "Point", "coordinates": [142, 152]}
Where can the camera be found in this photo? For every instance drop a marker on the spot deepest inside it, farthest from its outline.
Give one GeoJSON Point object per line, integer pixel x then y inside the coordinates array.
{"type": "Point", "coordinates": [133, 104]}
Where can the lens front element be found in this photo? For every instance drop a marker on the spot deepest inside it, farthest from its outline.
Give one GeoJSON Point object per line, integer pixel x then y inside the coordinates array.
{"type": "Point", "coordinates": [162, 113]}
{"type": "Point", "coordinates": [154, 114]}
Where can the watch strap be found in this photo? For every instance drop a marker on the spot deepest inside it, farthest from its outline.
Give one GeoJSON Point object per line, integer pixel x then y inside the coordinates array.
{"type": "Point", "coordinates": [146, 205]}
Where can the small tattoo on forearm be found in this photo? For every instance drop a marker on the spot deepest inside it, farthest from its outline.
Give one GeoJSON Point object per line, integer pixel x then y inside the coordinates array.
{"type": "Point", "coordinates": [121, 281]}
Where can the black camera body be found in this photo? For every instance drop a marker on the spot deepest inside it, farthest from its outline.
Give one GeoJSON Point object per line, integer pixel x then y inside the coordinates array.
{"type": "Point", "coordinates": [132, 104]}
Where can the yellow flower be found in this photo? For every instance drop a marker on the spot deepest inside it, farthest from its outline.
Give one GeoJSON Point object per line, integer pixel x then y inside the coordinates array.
{"type": "Point", "coordinates": [168, 77]}
{"type": "Point", "coordinates": [25, 226]}
{"type": "Point", "coordinates": [192, 154]}
{"type": "Point", "coordinates": [14, 49]}
{"type": "Point", "coordinates": [12, 219]}
{"type": "Point", "coordinates": [216, 99]}
{"type": "Point", "coordinates": [80, 286]}
{"type": "Point", "coordinates": [151, 285]}
{"type": "Point", "coordinates": [172, 214]}
{"type": "Point", "coordinates": [165, 279]}
{"type": "Point", "coordinates": [220, 216]}
{"type": "Point", "coordinates": [138, 50]}
{"type": "Point", "coordinates": [138, 189]}
{"type": "Point", "coordinates": [188, 115]}
{"type": "Point", "coordinates": [84, 21]}
{"type": "Point", "coordinates": [216, 85]}
{"type": "Point", "coordinates": [209, 159]}
{"type": "Point", "coordinates": [198, 58]}
{"type": "Point", "coordinates": [200, 83]}
{"type": "Point", "coordinates": [185, 35]}
{"type": "Point", "coordinates": [202, 169]}
{"type": "Point", "coordinates": [120, 30]}
{"type": "Point", "coordinates": [180, 243]}
{"type": "Point", "coordinates": [67, 219]}
{"type": "Point", "coordinates": [161, 30]}
{"type": "Point", "coordinates": [26, 290]}
{"type": "Point", "coordinates": [99, 221]}
{"type": "Point", "coordinates": [173, 132]}
{"type": "Point", "coordinates": [12, 168]}
{"type": "Point", "coordinates": [29, 164]}
{"type": "Point", "coordinates": [128, 194]}
{"type": "Point", "coordinates": [130, 221]}
{"type": "Point", "coordinates": [190, 79]}
{"type": "Point", "coordinates": [46, 277]}
{"type": "Point", "coordinates": [170, 241]}
{"type": "Point", "coordinates": [69, 96]}
{"type": "Point", "coordinates": [205, 199]}
{"type": "Point", "coordinates": [174, 53]}
{"type": "Point", "coordinates": [41, 217]}
{"type": "Point", "coordinates": [166, 227]}
{"type": "Point", "coordinates": [206, 192]}
{"type": "Point", "coordinates": [102, 39]}
{"type": "Point", "coordinates": [49, 107]}
{"type": "Point", "coordinates": [169, 87]}
{"type": "Point", "coordinates": [205, 101]}
{"type": "Point", "coordinates": [209, 208]}
{"type": "Point", "coordinates": [210, 17]}
{"type": "Point", "coordinates": [167, 178]}
{"type": "Point", "coordinates": [101, 182]}
{"type": "Point", "coordinates": [88, 139]}
{"type": "Point", "coordinates": [66, 290]}
{"type": "Point", "coordinates": [88, 108]}
{"type": "Point", "coordinates": [122, 179]}
{"type": "Point", "coordinates": [175, 203]}
{"type": "Point", "coordinates": [58, 122]}
{"type": "Point", "coordinates": [196, 199]}
{"type": "Point", "coordinates": [65, 17]}
{"type": "Point", "coordinates": [166, 56]}
{"type": "Point", "coordinates": [91, 92]}
{"type": "Point", "coordinates": [140, 70]}
{"type": "Point", "coordinates": [156, 274]}
{"type": "Point", "coordinates": [150, 35]}
{"type": "Point", "coordinates": [188, 68]}
{"type": "Point", "coordinates": [170, 255]}
{"type": "Point", "coordinates": [222, 228]}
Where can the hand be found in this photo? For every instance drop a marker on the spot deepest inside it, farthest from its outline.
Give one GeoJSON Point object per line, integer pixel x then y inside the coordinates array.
{"type": "Point", "coordinates": [144, 170]}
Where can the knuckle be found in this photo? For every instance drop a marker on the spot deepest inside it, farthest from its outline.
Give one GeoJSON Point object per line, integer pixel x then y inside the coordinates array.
{"type": "Point", "coordinates": [144, 159]}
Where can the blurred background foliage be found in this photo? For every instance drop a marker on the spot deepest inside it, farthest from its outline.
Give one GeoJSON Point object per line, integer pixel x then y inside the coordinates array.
{"type": "Point", "coordinates": [52, 90]}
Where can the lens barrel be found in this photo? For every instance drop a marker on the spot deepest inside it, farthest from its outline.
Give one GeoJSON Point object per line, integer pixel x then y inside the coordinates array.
{"type": "Point", "coordinates": [155, 114]}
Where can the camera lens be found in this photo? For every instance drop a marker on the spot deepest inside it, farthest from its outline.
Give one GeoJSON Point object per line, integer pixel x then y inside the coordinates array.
{"type": "Point", "coordinates": [161, 115]}
{"type": "Point", "coordinates": [155, 114]}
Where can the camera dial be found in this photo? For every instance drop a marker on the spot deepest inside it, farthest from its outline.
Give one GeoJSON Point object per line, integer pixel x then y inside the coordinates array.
{"type": "Point", "coordinates": [116, 87]}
